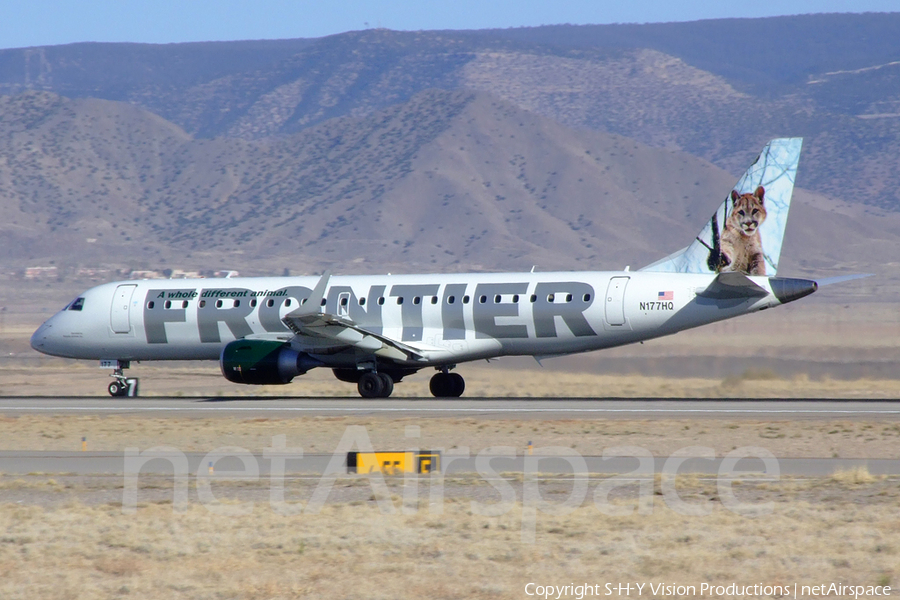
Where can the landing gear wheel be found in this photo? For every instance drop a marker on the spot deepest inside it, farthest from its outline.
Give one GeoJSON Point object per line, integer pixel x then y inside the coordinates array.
{"type": "Point", "coordinates": [439, 385]}
{"type": "Point", "coordinates": [121, 385]}
{"type": "Point", "coordinates": [387, 385]}
{"type": "Point", "coordinates": [370, 385]}
{"type": "Point", "coordinates": [117, 388]}
{"type": "Point", "coordinates": [447, 385]}
{"type": "Point", "coordinates": [457, 385]}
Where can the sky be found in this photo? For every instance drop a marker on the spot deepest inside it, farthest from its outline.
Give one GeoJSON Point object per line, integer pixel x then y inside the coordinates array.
{"type": "Point", "coordinates": [50, 22]}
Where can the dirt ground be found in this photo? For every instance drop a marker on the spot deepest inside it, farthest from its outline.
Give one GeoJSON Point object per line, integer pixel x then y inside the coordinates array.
{"type": "Point", "coordinates": [57, 377]}
{"type": "Point", "coordinates": [843, 438]}
{"type": "Point", "coordinates": [814, 531]}
{"type": "Point", "coordinates": [63, 536]}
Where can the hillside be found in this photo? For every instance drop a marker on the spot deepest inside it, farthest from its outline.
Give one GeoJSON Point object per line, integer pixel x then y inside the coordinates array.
{"type": "Point", "coordinates": [709, 88]}
{"type": "Point", "coordinates": [448, 180]}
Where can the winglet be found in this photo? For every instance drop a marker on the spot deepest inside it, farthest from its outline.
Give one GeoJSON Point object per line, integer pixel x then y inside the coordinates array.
{"type": "Point", "coordinates": [313, 304]}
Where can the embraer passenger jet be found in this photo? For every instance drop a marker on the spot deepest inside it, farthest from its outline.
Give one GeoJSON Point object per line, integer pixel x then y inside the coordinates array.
{"type": "Point", "coordinates": [375, 330]}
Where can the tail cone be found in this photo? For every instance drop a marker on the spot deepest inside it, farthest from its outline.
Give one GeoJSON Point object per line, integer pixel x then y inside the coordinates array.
{"type": "Point", "coordinates": [788, 290]}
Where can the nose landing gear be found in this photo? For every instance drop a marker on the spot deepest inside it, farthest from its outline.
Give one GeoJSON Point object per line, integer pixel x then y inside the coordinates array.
{"type": "Point", "coordinates": [122, 386]}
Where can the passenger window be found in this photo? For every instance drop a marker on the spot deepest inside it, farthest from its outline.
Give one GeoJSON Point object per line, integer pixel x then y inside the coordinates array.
{"type": "Point", "coordinates": [270, 303]}
{"type": "Point", "coordinates": [202, 303]}
{"type": "Point", "coordinates": [150, 305]}
{"type": "Point", "coordinates": [450, 299]}
{"type": "Point", "coordinates": [416, 300]}
{"type": "Point", "coordinates": [381, 301]}
{"type": "Point", "coordinates": [551, 298]}
{"type": "Point", "coordinates": [533, 298]}
{"type": "Point", "coordinates": [497, 299]}
{"type": "Point", "coordinates": [482, 300]}
{"type": "Point", "coordinates": [344, 301]}
{"type": "Point", "coordinates": [568, 297]}
{"type": "Point", "coordinates": [362, 301]}
{"type": "Point", "coordinates": [587, 297]}
{"type": "Point", "coordinates": [218, 304]}
{"type": "Point", "coordinates": [399, 299]}
{"type": "Point", "coordinates": [168, 304]}
{"type": "Point", "coordinates": [253, 303]}
{"type": "Point", "coordinates": [465, 299]}
{"type": "Point", "coordinates": [515, 298]}
{"type": "Point", "coordinates": [184, 303]}
{"type": "Point", "coordinates": [322, 303]}
{"type": "Point", "coordinates": [434, 299]}
{"type": "Point", "coordinates": [237, 303]}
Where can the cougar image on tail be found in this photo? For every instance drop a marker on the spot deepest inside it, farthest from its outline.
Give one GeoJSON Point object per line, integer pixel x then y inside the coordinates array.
{"type": "Point", "coordinates": [740, 244]}
{"type": "Point", "coordinates": [731, 240]}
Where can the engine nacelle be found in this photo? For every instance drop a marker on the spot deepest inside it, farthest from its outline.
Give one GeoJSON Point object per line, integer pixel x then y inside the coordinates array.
{"type": "Point", "coordinates": [263, 362]}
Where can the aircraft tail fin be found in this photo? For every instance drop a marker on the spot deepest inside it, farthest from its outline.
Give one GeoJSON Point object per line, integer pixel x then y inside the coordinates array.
{"type": "Point", "coordinates": [745, 234]}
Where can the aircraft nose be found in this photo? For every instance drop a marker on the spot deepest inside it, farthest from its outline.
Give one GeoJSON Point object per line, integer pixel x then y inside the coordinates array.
{"type": "Point", "coordinates": [40, 337]}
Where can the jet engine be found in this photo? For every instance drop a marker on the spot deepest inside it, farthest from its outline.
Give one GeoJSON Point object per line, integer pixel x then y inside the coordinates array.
{"type": "Point", "coordinates": [263, 362]}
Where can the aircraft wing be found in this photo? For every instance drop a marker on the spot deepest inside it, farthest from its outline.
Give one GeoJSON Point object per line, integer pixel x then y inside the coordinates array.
{"type": "Point", "coordinates": [335, 330]}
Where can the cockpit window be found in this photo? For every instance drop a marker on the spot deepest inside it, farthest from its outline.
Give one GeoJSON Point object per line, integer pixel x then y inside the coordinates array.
{"type": "Point", "coordinates": [78, 304]}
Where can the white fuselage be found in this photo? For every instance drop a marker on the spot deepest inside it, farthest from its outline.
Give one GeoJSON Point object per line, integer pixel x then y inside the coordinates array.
{"type": "Point", "coordinates": [451, 318]}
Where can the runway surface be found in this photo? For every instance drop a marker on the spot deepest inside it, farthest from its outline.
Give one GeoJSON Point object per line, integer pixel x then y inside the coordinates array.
{"type": "Point", "coordinates": [253, 465]}
{"type": "Point", "coordinates": [484, 408]}
{"type": "Point", "coordinates": [117, 463]}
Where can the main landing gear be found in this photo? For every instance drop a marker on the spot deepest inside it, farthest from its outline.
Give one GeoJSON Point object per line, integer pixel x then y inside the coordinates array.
{"type": "Point", "coordinates": [122, 386]}
{"type": "Point", "coordinates": [375, 385]}
{"type": "Point", "coordinates": [372, 384]}
{"type": "Point", "coordinates": [447, 385]}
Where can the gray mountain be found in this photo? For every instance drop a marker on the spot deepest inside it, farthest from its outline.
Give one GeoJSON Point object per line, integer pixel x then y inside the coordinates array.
{"type": "Point", "coordinates": [449, 180]}
{"type": "Point", "coordinates": [709, 88]}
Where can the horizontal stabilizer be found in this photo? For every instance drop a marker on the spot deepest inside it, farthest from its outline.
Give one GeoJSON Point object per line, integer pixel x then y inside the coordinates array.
{"type": "Point", "coordinates": [731, 285]}
{"type": "Point", "coordinates": [842, 278]}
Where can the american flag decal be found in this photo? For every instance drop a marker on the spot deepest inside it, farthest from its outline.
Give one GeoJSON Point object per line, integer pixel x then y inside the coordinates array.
{"type": "Point", "coordinates": [665, 296]}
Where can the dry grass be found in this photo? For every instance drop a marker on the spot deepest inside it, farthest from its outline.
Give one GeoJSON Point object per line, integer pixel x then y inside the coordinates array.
{"type": "Point", "coordinates": [69, 538]}
{"type": "Point", "coordinates": [68, 378]}
{"type": "Point", "coordinates": [856, 476]}
{"type": "Point", "coordinates": [799, 439]}
{"type": "Point", "coordinates": [353, 550]}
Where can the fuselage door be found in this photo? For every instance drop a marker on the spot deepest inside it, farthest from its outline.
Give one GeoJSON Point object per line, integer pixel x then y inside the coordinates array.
{"type": "Point", "coordinates": [615, 301]}
{"type": "Point", "coordinates": [343, 308]}
{"type": "Point", "coordinates": [120, 313]}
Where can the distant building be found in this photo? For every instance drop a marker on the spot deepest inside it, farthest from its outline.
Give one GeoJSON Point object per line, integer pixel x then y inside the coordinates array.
{"type": "Point", "coordinates": [179, 274]}
{"type": "Point", "coordinates": [41, 273]}
{"type": "Point", "coordinates": [145, 275]}
{"type": "Point", "coordinates": [92, 273]}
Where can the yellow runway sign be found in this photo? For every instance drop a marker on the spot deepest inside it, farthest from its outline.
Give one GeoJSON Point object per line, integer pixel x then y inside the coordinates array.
{"type": "Point", "coordinates": [394, 463]}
